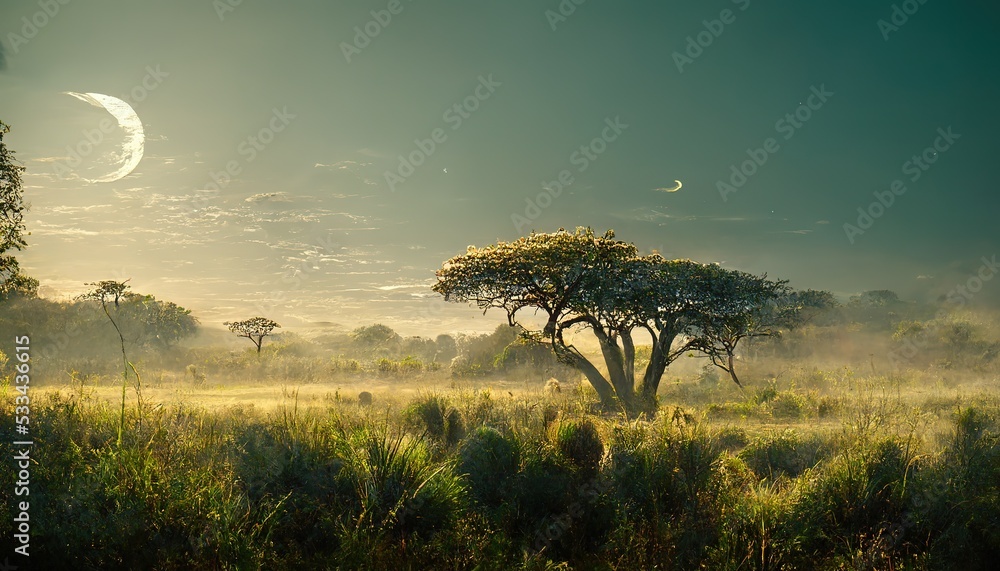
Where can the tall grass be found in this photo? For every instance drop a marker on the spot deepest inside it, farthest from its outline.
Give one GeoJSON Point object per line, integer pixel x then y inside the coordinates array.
{"type": "Point", "coordinates": [473, 480]}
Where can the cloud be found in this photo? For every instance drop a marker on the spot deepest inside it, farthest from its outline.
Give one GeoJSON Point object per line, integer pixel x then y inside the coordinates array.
{"type": "Point", "coordinates": [361, 170]}
{"type": "Point", "coordinates": [3, 58]}
{"type": "Point", "coordinates": [268, 197]}
{"type": "Point", "coordinates": [343, 165]}
{"type": "Point", "coordinates": [678, 186]}
{"type": "Point", "coordinates": [643, 215]}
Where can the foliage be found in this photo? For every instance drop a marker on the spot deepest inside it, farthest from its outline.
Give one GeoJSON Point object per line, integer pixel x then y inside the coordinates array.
{"type": "Point", "coordinates": [12, 228]}
{"type": "Point", "coordinates": [580, 443]}
{"type": "Point", "coordinates": [437, 419]}
{"type": "Point", "coordinates": [376, 339]}
{"type": "Point", "coordinates": [491, 461]}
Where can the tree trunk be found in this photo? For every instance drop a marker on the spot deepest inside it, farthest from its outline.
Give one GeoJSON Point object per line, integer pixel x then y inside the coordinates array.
{"type": "Point", "coordinates": [732, 371]}
{"type": "Point", "coordinates": [616, 369]}
{"type": "Point", "coordinates": [574, 358]}
{"type": "Point", "coordinates": [604, 389]}
{"type": "Point", "coordinates": [628, 347]}
{"type": "Point", "coordinates": [658, 361]}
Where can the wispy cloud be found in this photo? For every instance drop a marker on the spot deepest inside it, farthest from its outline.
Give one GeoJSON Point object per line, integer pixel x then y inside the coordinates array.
{"type": "Point", "coordinates": [268, 197]}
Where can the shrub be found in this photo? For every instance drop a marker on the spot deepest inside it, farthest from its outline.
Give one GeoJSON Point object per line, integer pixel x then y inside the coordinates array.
{"type": "Point", "coordinates": [399, 494]}
{"type": "Point", "coordinates": [857, 497]}
{"type": "Point", "coordinates": [731, 438]}
{"type": "Point", "coordinates": [665, 485]}
{"type": "Point", "coordinates": [788, 405]}
{"type": "Point", "coordinates": [491, 461]}
{"type": "Point", "coordinates": [580, 443]}
{"type": "Point", "coordinates": [781, 454]}
{"type": "Point", "coordinates": [434, 416]}
{"type": "Point", "coordinates": [386, 367]}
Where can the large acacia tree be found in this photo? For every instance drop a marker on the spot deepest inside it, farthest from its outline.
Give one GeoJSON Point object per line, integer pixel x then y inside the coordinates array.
{"type": "Point", "coordinates": [579, 280]}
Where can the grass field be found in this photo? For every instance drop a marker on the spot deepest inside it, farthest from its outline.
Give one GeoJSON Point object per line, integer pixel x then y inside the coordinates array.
{"type": "Point", "coordinates": [817, 469]}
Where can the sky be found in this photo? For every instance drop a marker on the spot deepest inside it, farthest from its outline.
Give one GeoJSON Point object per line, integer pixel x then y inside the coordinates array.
{"type": "Point", "coordinates": [315, 162]}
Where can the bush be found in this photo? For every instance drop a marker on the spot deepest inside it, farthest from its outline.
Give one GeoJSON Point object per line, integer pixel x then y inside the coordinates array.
{"type": "Point", "coordinates": [580, 443]}
{"type": "Point", "coordinates": [779, 454]}
{"type": "Point", "coordinates": [434, 416]}
{"type": "Point", "coordinates": [399, 493]}
{"type": "Point", "coordinates": [665, 487]}
{"type": "Point", "coordinates": [857, 498]}
{"type": "Point", "coordinates": [491, 461]}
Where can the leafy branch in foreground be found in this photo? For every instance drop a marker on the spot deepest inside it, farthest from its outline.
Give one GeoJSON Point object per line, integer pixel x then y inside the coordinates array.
{"type": "Point", "coordinates": [12, 228]}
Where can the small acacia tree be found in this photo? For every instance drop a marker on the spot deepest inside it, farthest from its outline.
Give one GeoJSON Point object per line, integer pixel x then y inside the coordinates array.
{"type": "Point", "coordinates": [111, 291]}
{"type": "Point", "coordinates": [254, 329]}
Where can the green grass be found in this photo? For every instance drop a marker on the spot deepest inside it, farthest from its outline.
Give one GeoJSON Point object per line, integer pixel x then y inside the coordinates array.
{"type": "Point", "coordinates": [868, 475]}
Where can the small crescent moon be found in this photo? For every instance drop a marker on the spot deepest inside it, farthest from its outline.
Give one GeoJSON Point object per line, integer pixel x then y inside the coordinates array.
{"type": "Point", "coordinates": [135, 137]}
{"type": "Point", "coordinates": [675, 189]}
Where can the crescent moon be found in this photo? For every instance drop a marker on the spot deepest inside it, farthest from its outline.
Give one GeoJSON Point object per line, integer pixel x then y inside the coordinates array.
{"type": "Point", "coordinates": [133, 146]}
{"type": "Point", "coordinates": [675, 189]}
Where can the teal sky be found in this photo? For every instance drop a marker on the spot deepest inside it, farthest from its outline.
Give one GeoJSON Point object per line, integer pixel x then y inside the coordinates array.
{"type": "Point", "coordinates": [310, 229]}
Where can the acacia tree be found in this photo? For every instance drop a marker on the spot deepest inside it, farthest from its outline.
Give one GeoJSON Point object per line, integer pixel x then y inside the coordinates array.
{"type": "Point", "coordinates": [744, 306]}
{"type": "Point", "coordinates": [580, 280]}
{"type": "Point", "coordinates": [106, 292]}
{"type": "Point", "coordinates": [254, 329]}
{"type": "Point", "coordinates": [12, 229]}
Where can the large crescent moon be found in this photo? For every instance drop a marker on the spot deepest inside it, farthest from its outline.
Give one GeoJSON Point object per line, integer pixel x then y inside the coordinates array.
{"type": "Point", "coordinates": [135, 138]}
